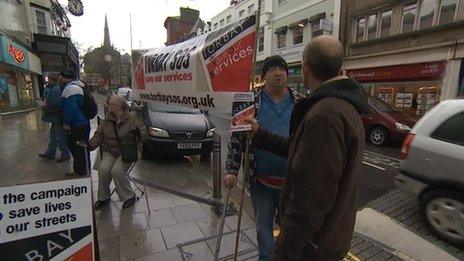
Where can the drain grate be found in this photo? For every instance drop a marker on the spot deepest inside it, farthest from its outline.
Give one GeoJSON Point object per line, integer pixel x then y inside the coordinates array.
{"type": "Point", "coordinates": [230, 210]}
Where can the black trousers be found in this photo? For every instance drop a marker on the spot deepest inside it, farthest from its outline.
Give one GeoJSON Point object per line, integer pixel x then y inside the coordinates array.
{"type": "Point", "coordinates": [79, 133]}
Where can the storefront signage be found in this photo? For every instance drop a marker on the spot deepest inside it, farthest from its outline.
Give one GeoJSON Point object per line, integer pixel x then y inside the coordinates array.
{"type": "Point", "coordinates": [43, 221]}
{"type": "Point", "coordinates": [13, 54]}
{"type": "Point", "coordinates": [408, 72]}
{"type": "Point", "coordinates": [203, 72]}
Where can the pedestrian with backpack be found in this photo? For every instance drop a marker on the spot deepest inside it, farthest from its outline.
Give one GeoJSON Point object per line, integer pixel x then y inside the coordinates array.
{"type": "Point", "coordinates": [75, 122]}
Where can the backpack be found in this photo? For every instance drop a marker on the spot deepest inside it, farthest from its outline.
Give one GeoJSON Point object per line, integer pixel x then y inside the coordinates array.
{"type": "Point", "coordinates": [90, 106]}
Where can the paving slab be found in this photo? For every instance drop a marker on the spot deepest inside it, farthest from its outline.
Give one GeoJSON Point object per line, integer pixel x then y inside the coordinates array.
{"type": "Point", "coordinates": [181, 233]}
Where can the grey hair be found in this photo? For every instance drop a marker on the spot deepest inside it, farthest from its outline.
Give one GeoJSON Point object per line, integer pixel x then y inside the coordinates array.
{"type": "Point", "coordinates": [122, 101]}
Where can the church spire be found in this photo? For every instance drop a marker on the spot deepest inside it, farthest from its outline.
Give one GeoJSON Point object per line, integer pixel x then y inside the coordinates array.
{"type": "Point", "coordinates": [106, 40]}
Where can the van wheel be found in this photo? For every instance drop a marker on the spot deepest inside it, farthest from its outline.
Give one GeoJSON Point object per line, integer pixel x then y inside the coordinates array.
{"type": "Point", "coordinates": [146, 153]}
{"type": "Point", "coordinates": [378, 136]}
{"type": "Point", "coordinates": [443, 213]}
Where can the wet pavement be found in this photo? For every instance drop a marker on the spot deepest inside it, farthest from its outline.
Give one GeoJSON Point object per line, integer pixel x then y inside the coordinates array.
{"type": "Point", "coordinates": [160, 226]}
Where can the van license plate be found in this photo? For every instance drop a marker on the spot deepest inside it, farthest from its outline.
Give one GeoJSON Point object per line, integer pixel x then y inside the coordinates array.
{"type": "Point", "coordinates": [184, 146]}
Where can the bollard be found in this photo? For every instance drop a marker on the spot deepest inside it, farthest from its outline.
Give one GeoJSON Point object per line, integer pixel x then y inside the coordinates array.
{"type": "Point", "coordinates": [217, 177]}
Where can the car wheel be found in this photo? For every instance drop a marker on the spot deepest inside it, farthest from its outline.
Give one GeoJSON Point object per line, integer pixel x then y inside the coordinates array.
{"type": "Point", "coordinates": [378, 136]}
{"type": "Point", "coordinates": [146, 153]}
{"type": "Point", "coordinates": [205, 156]}
{"type": "Point", "coordinates": [443, 213]}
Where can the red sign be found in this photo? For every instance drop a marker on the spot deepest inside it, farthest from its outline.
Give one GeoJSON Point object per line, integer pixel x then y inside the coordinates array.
{"type": "Point", "coordinates": [233, 65]}
{"type": "Point", "coordinates": [407, 72]}
{"type": "Point", "coordinates": [17, 54]}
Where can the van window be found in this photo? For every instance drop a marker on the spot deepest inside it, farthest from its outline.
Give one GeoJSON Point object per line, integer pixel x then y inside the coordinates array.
{"type": "Point", "coordinates": [451, 130]}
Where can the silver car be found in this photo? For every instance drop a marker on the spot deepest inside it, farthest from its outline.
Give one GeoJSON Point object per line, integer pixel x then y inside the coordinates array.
{"type": "Point", "coordinates": [433, 169]}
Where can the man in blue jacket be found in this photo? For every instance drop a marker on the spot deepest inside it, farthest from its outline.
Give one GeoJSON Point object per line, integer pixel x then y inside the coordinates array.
{"type": "Point", "coordinates": [52, 114]}
{"type": "Point", "coordinates": [75, 123]}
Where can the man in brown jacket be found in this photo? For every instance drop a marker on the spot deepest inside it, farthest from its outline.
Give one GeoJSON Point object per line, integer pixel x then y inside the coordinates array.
{"type": "Point", "coordinates": [318, 201]}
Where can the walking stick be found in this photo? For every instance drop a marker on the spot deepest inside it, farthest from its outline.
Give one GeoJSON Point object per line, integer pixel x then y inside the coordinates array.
{"type": "Point", "coordinates": [221, 226]}
{"type": "Point", "coordinates": [242, 195]}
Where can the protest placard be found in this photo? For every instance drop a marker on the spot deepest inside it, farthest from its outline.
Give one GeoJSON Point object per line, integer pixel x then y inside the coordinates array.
{"type": "Point", "coordinates": [47, 221]}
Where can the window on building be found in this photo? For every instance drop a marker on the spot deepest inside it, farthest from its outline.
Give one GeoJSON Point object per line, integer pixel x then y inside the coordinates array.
{"type": "Point", "coordinates": [451, 130]}
{"type": "Point", "coordinates": [281, 40]}
{"type": "Point", "coordinates": [360, 29]}
{"type": "Point", "coordinates": [250, 8]}
{"type": "Point", "coordinates": [298, 35]}
{"type": "Point", "coordinates": [280, 2]}
{"type": "Point", "coordinates": [447, 11]}
{"type": "Point", "coordinates": [385, 23]}
{"type": "Point", "coordinates": [221, 23]}
{"type": "Point", "coordinates": [372, 27]}
{"type": "Point", "coordinates": [261, 39]}
{"type": "Point", "coordinates": [228, 18]}
{"type": "Point", "coordinates": [409, 17]}
{"type": "Point", "coordinates": [41, 24]}
{"type": "Point", "coordinates": [241, 13]}
{"type": "Point", "coordinates": [426, 12]}
{"type": "Point", "coordinates": [215, 26]}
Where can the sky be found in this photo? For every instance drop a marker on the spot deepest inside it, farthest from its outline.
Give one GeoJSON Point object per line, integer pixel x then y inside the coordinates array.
{"type": "Point", "coordinates": [147, 21]}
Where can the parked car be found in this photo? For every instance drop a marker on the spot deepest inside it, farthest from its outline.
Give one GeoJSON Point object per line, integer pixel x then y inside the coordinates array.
{"type": "Point", "coordinates": [176, 130]}
{"type": "Point", "coordinates": [433, 169]}
{"type": "Point", "coordinates": [383, 123]}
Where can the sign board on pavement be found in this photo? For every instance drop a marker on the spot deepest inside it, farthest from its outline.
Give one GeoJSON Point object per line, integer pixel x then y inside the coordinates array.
{"type": "Point", "coordinates": [47, 221]}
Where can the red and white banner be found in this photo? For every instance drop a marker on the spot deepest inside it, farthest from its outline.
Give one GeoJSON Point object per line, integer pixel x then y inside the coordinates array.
{"type": "Point", "coordinates": [203, 72]}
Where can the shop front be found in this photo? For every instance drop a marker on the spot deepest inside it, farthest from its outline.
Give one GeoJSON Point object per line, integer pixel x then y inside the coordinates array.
{"type": "Point", "coordinates": [411, 88]}
{"type": "Point", "coordinates": [18, 83]}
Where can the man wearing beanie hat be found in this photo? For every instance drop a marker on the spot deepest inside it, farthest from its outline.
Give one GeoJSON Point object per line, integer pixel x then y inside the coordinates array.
{"type": "Point", "coordinates": [75, 123]}
{"type": "Point", "coordinates": [274, 104]}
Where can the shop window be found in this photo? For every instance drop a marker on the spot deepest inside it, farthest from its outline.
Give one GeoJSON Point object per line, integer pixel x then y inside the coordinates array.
{"type": "Point", "coordinates": [261, 39]}
{"type": "Point", "coordinates": [281, 40]}
{"type": "Point", "coordinates": [447, 11]}
{"type": "Point", "coordinates": [240, 14]}
{"type": "Point", "coordinates": [41, 24]}
{"type": "Point", "coordinates": [426, 13]}
{"type": "Point", "coordinates": [385, 23]}
{"type": "Point", "coordinates": [221, 23]}
{"type": "Point", "coordinates": [360, 29]}
{"type": "Point", "coordinates": [298, 34]}
{"type": "Point", "coordinates": [451, 130]}
{"type": "Point", "coordinates": [409, 17]}
{"type": "Point", "coordinates": [372, 27]}
{"type": "Point", "coordinates": [250, 8]}
{"type": "Point", "coordinates": [228, 19]}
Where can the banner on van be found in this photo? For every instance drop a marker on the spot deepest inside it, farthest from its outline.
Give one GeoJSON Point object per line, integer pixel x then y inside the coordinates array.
{"type": "Point", "coordinates": [203, 72]}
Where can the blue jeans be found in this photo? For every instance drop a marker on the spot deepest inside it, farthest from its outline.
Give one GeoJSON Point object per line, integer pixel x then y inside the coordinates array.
{"type": "Point", "coordinates": [58, 139]}
{"type": "Point", "coordinates": [265, 201]}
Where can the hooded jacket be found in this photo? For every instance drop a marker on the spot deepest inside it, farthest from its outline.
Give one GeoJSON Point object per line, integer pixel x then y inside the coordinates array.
{"type": "Point", "coordinates": [130, 129]}
{"type": "Point", "coordinates": [72, 101]}
{"type": "Point", "coordinates": [318, 200]}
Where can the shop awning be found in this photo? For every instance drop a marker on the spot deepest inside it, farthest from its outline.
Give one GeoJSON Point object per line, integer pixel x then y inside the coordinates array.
{"type": "Point", "coordinates": [317, 17]}
{"type": "Point", "coordinates": [57, 53]}
{"type": "Point", "coordinates": [281, 30]}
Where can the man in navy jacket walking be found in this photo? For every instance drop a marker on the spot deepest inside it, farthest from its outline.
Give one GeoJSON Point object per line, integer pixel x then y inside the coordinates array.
{"type": "Point", "coordinates": [75, 123]}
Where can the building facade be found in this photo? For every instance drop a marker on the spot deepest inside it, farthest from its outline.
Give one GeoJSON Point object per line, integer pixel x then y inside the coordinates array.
{"type": "Point", "coordinates": [285, 28]}
{"type": "Point", "coordinates": [19, 65]}
{"type": "Point", "coordinates": [408, 53]}
{"type": "Point", "coordinates": [184, 26]}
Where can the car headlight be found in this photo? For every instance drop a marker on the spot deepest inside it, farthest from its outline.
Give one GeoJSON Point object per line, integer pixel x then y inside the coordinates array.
{"type": "Point", "coordinates": [210, 133]}
{"type": "Point", "coordinates": [402, 127]}
{"type": "Point", "coordinates": [156, 132]}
